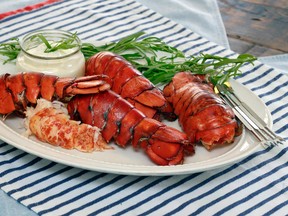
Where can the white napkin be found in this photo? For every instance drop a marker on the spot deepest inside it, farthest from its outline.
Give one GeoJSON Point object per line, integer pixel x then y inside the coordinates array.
{"type": "Point", "coordinates": [277, 61]}
{"type": "Point", "coordinates": [202, 17]}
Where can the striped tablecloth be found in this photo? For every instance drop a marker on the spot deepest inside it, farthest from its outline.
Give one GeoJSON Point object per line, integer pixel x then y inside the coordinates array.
{"type": "Point", "coordinates": [256, 185]}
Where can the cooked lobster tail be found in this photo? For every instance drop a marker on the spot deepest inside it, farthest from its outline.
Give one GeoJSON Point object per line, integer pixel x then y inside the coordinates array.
{"type": "Point", "coordinates": [121, 121]}
{"type": "Point", "coordinates": [202, 114]}
{"type": "Point", "coordinates": [22, 90]}
{"type": "Point", "coordinates": [130, 84]}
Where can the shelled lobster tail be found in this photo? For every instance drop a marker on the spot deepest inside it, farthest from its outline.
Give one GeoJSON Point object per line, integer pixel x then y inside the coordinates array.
{"type": "Point", "coordinates": [50, 122]}
{"type": "Point", "coordinates": [22, 90]}
{"type": "Point", "coordinates": [202, 114]}
{"type": "Point", "coordinates": [122, 122]}
{"type": "Point", "coordinates": [130, 84]}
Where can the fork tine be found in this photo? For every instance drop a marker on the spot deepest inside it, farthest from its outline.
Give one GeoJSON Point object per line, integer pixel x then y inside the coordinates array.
{"type": "Point", "coordinates": [265, 144]}
{"type": "Point", "coordinates": [270, 133]}
{"type": "Point", "coordinates": [280, 142]}
{"type": "Point", "coordinates": [264, 140]}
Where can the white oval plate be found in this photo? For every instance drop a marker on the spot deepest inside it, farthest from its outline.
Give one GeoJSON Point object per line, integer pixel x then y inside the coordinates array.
{"type": "Point", "coordinates": [134, 162]}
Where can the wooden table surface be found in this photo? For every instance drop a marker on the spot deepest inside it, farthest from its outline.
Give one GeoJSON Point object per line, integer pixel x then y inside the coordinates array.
{"type": "Point", "coordinates": [258, 27]}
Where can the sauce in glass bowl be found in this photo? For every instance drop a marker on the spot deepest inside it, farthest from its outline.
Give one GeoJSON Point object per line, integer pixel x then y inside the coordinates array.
{"type": "Point", "coordinates": [35, 55]}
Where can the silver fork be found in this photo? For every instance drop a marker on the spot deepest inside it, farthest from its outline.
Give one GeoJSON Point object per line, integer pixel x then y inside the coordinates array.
{"type": "Point", "coordinates": [249, 118]}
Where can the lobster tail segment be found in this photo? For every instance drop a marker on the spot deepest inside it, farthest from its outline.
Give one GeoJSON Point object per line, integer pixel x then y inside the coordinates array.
{"type": "Point", "coordinates": [122, 122]}
{"type": "Point", "coordinates": [7, 103]}
{"type": "Point", "coordinates": [130, 84]}
{"type": "Point", "coordinates": [23, 89]}
{"type": "Point", "coordinates": [202, 114]}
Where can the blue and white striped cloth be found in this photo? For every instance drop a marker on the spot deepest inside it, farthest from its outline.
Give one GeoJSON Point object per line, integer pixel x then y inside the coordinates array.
{"type": "Point", "coordinates": [257, 185]}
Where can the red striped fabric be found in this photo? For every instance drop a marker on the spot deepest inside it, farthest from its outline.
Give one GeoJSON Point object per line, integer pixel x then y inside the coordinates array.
{"type": "Point", "coordinates": [27, 8]}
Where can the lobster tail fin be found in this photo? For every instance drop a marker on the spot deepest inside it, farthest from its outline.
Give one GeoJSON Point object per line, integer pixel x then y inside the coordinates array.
{"type": "Point", "coordinates": [163, 144]}
{"type": "Point", "coordinates": [121, 121]}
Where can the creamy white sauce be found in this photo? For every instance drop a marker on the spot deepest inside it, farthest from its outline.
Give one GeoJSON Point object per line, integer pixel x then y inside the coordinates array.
{"type": "Point", "coordinates": [62, 66]}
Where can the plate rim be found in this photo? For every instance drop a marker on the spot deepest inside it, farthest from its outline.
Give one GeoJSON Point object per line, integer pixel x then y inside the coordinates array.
{"type": "Point", "coordinates": [135, 169]}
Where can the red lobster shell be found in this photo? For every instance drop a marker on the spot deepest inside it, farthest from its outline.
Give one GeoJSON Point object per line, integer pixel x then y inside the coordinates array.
{"type": "Point", "coordinates": [121, 121]}
{"type": "Point", "coordinates": [130, 84]}
{"type": "Point", "coordinates": [202, 114]}
{"type": "Point", "coordinates": [22, 90]}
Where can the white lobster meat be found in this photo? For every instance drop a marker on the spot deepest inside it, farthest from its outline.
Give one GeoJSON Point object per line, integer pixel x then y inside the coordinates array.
{"type": "Point", "coordinates": [50, 123]}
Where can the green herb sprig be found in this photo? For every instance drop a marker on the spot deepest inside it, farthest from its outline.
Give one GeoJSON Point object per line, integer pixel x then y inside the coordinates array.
{"type": "Point", "coordinates": [217, 69]}
{"type": "Point", "coordinates": [145, 55]}
{"type": "Point", "coordinates": [10, 50]}
{"type": "Point", "coordinates": [67, 43]}
{"type": "Point", "coordinates": [132, 48]}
